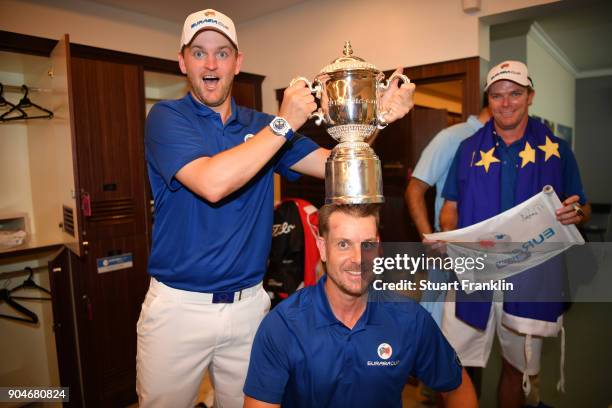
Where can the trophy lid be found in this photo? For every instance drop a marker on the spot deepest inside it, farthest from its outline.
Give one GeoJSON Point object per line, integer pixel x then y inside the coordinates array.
{"type": "Point", "coordinates": [348, 62]}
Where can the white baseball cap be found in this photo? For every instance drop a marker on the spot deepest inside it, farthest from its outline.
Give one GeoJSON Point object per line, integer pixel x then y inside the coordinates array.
{"type": "Point", "coordinates": [514, 71]}
{"type": "Point", "coordinates": [211, 20]}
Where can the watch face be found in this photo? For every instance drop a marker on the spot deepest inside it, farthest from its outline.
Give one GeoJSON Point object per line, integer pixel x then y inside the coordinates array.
{"type": "Point", "coordinates": [279, 124]}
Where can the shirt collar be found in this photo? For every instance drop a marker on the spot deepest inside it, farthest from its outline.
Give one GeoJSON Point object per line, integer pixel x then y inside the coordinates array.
{"type": "Point", "coordinates": [499, 142]}
{"type": "Point", "coordinates": [237, 114]}
{"type": "Point", "coordinates": [324, 316]}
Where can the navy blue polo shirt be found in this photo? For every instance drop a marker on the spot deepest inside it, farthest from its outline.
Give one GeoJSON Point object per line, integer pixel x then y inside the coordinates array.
{"type": "Point", "coordinates": [510, 164]}
{"type": "Point", "coordinates": [197, 245]}
{"type": "Point", "coordinates": [303, 356]}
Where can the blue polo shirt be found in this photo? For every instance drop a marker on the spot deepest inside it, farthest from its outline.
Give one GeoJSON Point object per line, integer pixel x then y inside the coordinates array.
{"type": "Point", "coordinates": [510, 163]}
{"type": "Point", "coordinates": [303, 356]}
{"type": "Point", "coordinates": [197, 245]}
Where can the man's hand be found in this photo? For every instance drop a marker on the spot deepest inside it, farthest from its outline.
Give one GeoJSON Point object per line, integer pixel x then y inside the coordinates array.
{"type": "Point", "coordinates": [397, 102]}
{"type": "Point", "coordinates": [298, 103]}
{"type": "Point", "coordinates": [572, 212]}
{"type": "Point", "coordinates": [449, 216]}
{"type": "Point", "coordinates": [434, 248]}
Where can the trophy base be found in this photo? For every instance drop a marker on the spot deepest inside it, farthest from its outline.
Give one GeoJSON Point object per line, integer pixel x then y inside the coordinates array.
{"type": "Point", "coordinates": [352, 132]}
{"type": "Point", "coordinates": [353, 176]}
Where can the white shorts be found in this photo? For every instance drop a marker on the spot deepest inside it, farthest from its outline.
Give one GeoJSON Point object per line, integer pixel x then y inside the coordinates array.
{"type": "Point", "coordinates": [182, 333]}
{"type": "Point", "coordinates": [473, 346]}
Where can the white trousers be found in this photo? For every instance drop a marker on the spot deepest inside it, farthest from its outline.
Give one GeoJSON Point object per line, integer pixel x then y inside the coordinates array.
{"type": "Point", "coordinates": [473, 346]}
{"type": "Point", "coordinates": [181, 334]}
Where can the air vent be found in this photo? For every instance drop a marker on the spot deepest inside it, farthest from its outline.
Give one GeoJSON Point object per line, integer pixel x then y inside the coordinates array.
{"type": "Point", "coordinates": [68, 220]}
{"type": "Point", "coordinates": [111, 210]}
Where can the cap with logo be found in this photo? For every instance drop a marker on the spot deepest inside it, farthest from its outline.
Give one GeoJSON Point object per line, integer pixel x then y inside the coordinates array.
{"type": "Point", "coordinates": [514, 71]}
{"type": "Point", "coordinates": [208, 19]}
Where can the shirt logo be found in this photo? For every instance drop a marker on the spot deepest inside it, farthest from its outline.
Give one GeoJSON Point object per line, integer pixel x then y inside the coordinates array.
{"type": "Point", "coordinates": [248, 136]}
{"type": "Point", "coordinates": [385, 351]}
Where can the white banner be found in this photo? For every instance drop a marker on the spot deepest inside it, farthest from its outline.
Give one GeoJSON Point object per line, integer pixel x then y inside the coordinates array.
{"type": "Point", "coordinates": [513, 241]}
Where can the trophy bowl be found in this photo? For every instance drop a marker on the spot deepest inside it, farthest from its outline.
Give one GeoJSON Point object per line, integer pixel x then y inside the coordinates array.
{"type": "Point", "coordinates": [350, 91]}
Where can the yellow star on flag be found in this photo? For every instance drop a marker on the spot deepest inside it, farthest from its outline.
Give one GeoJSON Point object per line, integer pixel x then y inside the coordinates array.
{"type": "Point", "coordinates": [550, 148]}
{"type": "Point", "coordinates": [528, 155]}
{"type": "Point", "coordinates": [486, 159]}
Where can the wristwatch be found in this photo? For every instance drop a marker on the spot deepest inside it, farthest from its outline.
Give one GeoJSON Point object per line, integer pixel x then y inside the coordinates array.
{"type": "Point", "coordinates": [280, 127]}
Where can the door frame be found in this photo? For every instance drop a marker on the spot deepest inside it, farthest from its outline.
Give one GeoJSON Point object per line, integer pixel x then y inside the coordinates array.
{"type": "Point", "coordinates": [466, 69]}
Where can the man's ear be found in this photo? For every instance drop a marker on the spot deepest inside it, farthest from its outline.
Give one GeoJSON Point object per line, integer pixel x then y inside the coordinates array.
{"type": "Point", "coordinates": [239, 59]}
{"type": "Point", "coordinates": [321, 246]}
{"type": "Point", "coordinates": [181, 61]}
{"type": "Point", "coordinates": [530, 97]}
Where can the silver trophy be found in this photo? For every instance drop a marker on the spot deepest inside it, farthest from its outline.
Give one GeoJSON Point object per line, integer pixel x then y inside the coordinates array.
{"type": "Point", "coordinates": [350, 91]}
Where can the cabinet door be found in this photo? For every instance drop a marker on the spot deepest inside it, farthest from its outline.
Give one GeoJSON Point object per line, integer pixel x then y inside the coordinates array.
{"type": "Point", "coordinates": [64, 326]}
{"type": "Point", "coordinates": [109, 110]}
{"type": "Point", "coordinates": [109, 107]}
{"type": "Point", "coordinates": [107, 307]}
{"type": "Point", "coordinates": [63, 142]}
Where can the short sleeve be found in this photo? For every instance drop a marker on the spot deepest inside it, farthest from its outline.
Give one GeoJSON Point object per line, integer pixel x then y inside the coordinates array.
{"type": "Point", "coordinates": [434, 160]}
{"type": "Point", "coordinates": [171, 142]}
{"type": "Point", "coordinates": [572, 183]}
{"type": "Point", "coordinates": [292, 152]}
{"type": "Point", "coordinates": [268, 372]}
{"type": "Point", "coordinates": [451, 187]}
{"type": "Point", "coordinates": [437, 364]}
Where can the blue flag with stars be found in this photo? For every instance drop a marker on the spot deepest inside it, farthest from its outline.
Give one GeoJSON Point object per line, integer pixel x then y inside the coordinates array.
{"type": "Point", "coordinates": [479, 181]}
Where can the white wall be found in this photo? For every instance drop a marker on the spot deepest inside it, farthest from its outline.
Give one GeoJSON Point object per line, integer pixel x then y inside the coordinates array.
{"type": "Point", "coordinates": [555, 87]}
{"type": "Point", "coordinates": [511, 48]}
{"type": "Point", "coordinates": [388, 33]}
{"type": "Point", "coordinates": [92, 24]}
{"type": "Point", "coordinates": [28, 351]}
{"type": "Point", "coordinates": [298, 40]}
{"type": "Point", "coordinates": [15, 186]}
{"type": "Point", "coordinates": [592, 132]}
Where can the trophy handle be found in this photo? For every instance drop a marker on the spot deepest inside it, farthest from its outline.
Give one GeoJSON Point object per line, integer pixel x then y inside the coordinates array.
{"type": "Point", "coordinates": [316, 89]}
{"type": "Point", "coordinates": [319, 115]}
{"type": "Point", "coordinates": [382, 123]}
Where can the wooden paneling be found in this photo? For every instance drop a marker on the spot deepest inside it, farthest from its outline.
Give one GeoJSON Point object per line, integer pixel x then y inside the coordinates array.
{"type": "Point", "coordinates": [246, 90]}
{"type": "Point", "coordinates": [109, 126]}
{"type": "Point", "coordinates": [399, 147]}
{"type": "Point", "coordinates": [466, 69]}
{"type": "Point", "coordinates": [108, 306]}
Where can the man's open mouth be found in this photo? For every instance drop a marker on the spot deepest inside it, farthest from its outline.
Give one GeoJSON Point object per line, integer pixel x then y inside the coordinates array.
{"type": "Point", "coordinates": [210, 80]}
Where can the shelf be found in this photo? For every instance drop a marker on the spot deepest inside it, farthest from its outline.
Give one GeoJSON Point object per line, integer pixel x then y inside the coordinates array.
{"type": "Point", "coordinates": [32, 245]}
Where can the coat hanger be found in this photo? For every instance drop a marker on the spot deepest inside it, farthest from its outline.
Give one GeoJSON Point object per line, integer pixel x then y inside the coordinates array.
{"type": "Point", "coordinates": [11, 107]}
{"type": "Point", "coordinates": [31, 317]}
{"type": "Point", "coordinates": [26, 103]}
{"type": "Point", "coordinates": [29, 284]}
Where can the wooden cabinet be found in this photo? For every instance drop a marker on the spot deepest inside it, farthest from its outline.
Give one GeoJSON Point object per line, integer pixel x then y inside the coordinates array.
{"type": "Point", "coordinates": [399, 147]}
{"type": "Point", "coordinates": [108, 116]}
